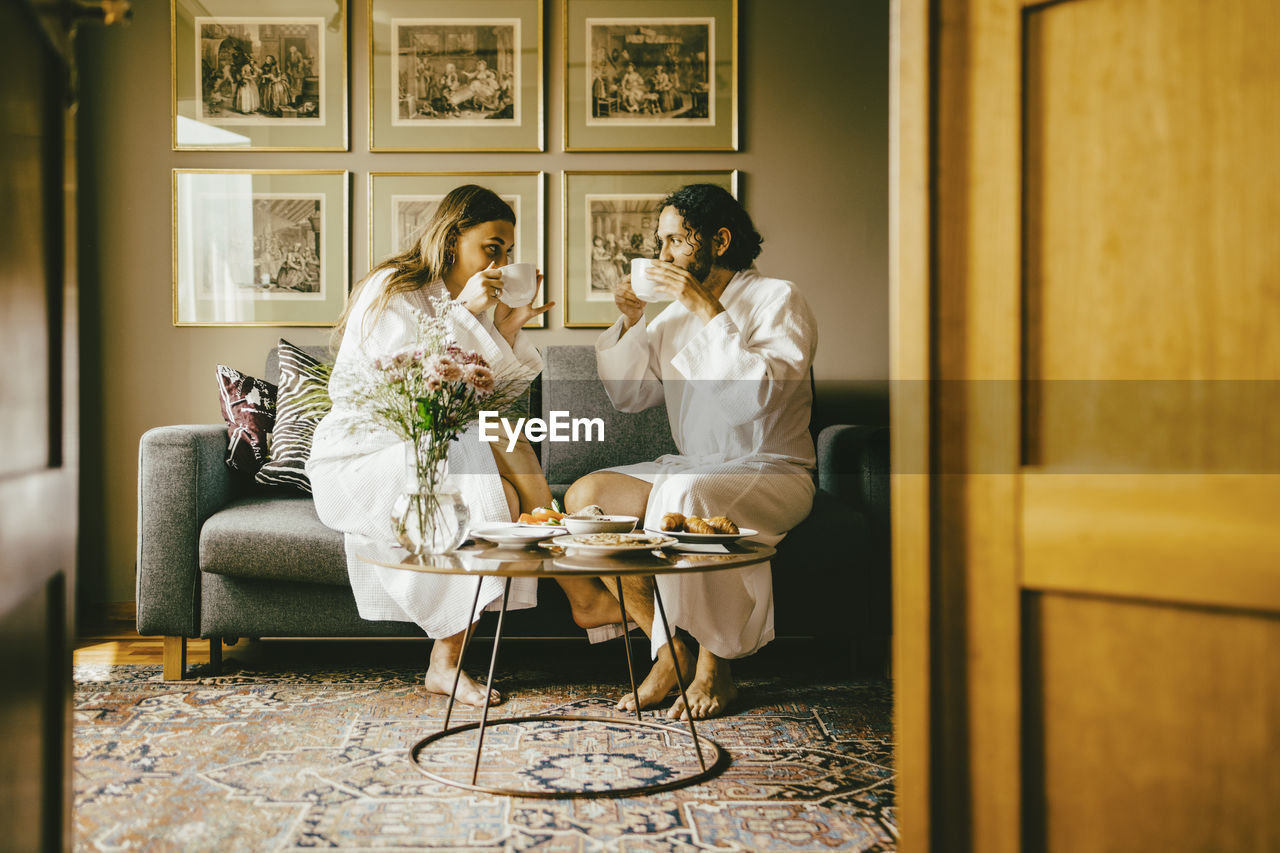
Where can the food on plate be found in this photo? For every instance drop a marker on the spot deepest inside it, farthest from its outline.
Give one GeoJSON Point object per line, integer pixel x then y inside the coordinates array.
{"type": "Point", "coordinates": [673, 521]}
{"type": "Point", "coordinates": [722, 524]}
{"type": "Point", "coordinates": [544, 515]}
{"type": "Point", "coordinates": [591, 511]}
{"type": "Point", "coordinates": [693, 524]}
{"type": "Point", "coordinates": [617, 539]}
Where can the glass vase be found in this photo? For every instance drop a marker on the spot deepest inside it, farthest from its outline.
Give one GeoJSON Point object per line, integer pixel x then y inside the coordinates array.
{"type": "Point", "coordinates": [430, 517]}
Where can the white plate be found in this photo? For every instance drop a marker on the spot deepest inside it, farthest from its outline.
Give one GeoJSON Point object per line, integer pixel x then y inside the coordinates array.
{"type": "Point", "coordinates": [706, 537]}
{"type": "Point", "coordinates": [595, 543]}
{"type": "Point", "coordinates": [511, 533]}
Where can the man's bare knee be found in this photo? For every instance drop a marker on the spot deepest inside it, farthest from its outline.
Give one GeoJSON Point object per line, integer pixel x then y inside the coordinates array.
{"type": "Point", "coordinates": [616, 493]}
{"type": "Point", "coordinates": [589, 490]}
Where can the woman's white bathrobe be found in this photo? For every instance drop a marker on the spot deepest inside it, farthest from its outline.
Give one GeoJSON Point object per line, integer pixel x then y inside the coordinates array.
{"type": "Point", "coordinates": [738, 397]}
{"type": "Point", "coordinates": [358, 469]}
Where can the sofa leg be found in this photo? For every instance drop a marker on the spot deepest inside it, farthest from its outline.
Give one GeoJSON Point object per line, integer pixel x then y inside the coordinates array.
{"type": "Point", "coordinates": [175, 658]}
{"type": "Point", "coordinates": [215, 656]}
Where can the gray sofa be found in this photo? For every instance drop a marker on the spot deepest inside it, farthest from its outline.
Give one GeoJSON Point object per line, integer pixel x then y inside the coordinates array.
{"type": "Point", "coordinates": [221, 559]}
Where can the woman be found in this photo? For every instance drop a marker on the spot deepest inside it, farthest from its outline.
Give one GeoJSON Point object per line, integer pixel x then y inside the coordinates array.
{"type": "Point", "coordinates": [357, 470]}
{"type": "Point", "coordinates": [247, 101]}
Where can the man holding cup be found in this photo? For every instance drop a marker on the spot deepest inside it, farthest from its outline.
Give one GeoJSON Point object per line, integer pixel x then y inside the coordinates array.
{"type": "Point", "coordinates": [730, 357]}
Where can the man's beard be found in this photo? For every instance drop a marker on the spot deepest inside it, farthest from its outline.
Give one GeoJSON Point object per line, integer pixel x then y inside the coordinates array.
{"type": "Point", "coordinates": [700, 266]}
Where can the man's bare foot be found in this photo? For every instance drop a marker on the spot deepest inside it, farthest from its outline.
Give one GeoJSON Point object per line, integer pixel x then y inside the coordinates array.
{"type": "Point", "coordinates": [444, 667]}
{"type": "Point", "coordinates": [710, 693]}
{"type": "Point", "coordinates": [661, 680]}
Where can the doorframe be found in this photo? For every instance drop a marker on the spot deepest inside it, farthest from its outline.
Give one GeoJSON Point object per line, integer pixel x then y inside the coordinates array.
{"type": "Point", "coordinates": [956, 175]}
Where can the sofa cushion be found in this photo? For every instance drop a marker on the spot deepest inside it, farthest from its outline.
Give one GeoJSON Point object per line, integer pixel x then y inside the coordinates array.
{"type": "Point", "coordinates": [273, 537]}
{"type": "Point", "coordinates": [302, 400]}
{"type": "Point", "coordinates": [570, 383]}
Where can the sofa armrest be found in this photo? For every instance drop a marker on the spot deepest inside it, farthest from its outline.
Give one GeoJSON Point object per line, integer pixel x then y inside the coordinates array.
{"type": "Point", "coordinates": [853, 465]}
{"type": "Point", "coordinates": [182, 480]}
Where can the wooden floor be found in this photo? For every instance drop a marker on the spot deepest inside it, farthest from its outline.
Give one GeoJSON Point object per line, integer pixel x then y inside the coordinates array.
{"type": "Point", "coordinates": [119, 642]}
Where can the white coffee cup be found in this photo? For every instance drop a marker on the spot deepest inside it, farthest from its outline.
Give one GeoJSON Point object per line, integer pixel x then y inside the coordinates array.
{"type": "Point", "coordinates": [643, 286]}
{"type": "Point", "coordinates": [519, 284]}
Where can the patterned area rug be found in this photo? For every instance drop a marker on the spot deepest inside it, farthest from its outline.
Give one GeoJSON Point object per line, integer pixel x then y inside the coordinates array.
{"type": "Point", "coordinates": [268, 759]}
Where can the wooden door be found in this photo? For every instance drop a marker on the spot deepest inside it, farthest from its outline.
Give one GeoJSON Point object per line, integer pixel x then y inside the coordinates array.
{"type": "Point", "coordinates": [1088, 276]}
{"type": "Point", "coordinates": [38, 387]}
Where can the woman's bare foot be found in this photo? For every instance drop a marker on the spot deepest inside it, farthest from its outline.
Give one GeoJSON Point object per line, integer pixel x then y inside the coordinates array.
{"type": "Point", "coordinates": [444, 667]}
{"type": "Point", "coordinates": [661, 680]}
{"type": "Point", "coordinates": [710, 693]}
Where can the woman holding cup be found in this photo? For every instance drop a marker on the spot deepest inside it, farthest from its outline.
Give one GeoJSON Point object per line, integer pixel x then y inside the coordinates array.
{"type": "Point", "coordinates": [457, 264]}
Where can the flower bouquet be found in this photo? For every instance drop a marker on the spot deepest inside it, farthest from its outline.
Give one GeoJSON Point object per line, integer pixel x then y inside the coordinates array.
{"type": "Point", "coordinates": [427, 394]}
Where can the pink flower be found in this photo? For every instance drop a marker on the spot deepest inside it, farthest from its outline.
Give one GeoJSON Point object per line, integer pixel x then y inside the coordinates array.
{"type": "Point", "coordinates": [446, 368]}
{"type": "Point", "coordinates": [478, 377]}
{"type": "Point", "coordinates": [473, 358]}
{"type": "Point", "coordinates": [454, 351]}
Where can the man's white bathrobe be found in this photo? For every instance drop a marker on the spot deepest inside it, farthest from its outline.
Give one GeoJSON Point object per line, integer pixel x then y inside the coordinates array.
{"type": "Point", "coordinates": [738, 397]}
{"type": "Point", "coordinates": [358, 469]}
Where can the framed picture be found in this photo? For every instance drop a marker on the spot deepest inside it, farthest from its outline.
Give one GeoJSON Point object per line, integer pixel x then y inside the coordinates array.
{"type": "Point", "coordinates": [259, 248]}
{"type": "Point", "coordinates": [401, 203]}
{"type": "Point", "coordinates": [449, 76]}
{"type": "Point", "coordinates": [259, 75]}
{"type": "Point", "coordinates": [651, 75]}
{"type": "Point", "coordinates": [611, 218]}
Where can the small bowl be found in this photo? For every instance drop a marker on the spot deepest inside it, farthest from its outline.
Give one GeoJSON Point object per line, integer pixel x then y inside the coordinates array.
{"type": "Point", "coordinates": [600, 524]}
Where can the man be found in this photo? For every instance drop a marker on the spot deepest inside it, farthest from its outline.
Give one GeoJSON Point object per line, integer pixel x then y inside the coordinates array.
{"type": "Point", "coordinates": [730, 357]}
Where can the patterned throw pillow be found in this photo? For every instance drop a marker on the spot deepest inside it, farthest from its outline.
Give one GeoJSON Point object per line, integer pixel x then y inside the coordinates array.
{"type": "Point", "coordinates": [249, 408]}
{"type": "Point", "coordinates": [302, 400]}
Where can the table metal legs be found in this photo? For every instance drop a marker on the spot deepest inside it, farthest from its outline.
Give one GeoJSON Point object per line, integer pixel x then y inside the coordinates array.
{"type": "Point", "coordinates": [721, 757]}
{"type": "Point", "coordinates": [488, 684]}
{"type": "Point", "coordinates": [675, 661]}
{"type": "Point", "coordinates": [466, 641]}
{"type": "Point", "coordinates": [626, 639]}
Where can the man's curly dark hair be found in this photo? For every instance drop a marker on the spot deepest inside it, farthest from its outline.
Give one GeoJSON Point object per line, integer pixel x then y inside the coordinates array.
{"type": "Point", "coordinates": [706, 209]}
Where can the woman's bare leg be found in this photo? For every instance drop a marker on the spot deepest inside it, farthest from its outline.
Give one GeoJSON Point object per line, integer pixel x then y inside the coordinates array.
{"type": "Point", "coordinates": [526, 489]}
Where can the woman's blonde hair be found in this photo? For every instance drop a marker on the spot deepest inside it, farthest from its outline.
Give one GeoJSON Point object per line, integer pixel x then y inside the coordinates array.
{"type": "Point", "coordinates": [431, 255]}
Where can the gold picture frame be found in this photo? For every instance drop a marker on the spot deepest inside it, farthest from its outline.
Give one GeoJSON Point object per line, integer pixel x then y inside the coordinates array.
{"type": "Point", "coordinates": [400, 202]}
{"type": "Point", "coordinates": [620, 210]}
{"type": "Point", "coordinates": [267, 247]}
{"type": "Point", "coordinates": [258, 75]}
{"type": "Point", "coordinates": [651, 75]}
{"type": "Point", "coordinates": [447, 76]}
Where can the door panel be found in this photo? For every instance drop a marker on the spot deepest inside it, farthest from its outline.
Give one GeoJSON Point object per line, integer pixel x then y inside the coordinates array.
{"type": "Point", "coordinates": [38, 476]}
{"type": "Point", "coordinates": [1150, 292]}
{"type": "Point", "coordinates": [1154, 727]}
{"type": "Point", "coordinates": [1152, 203]}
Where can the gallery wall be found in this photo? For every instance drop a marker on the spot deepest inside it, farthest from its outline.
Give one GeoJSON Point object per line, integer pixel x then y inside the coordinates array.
{"type": "Point", "coordinates": [813, 153]}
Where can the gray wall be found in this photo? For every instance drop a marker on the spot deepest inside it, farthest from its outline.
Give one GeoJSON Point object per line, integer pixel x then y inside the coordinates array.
{"type": "Point", "coordinates": [814, 162]}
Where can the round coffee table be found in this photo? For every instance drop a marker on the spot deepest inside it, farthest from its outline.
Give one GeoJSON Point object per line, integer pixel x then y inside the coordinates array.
{"type": "Point", "coordinates": [483, 559]}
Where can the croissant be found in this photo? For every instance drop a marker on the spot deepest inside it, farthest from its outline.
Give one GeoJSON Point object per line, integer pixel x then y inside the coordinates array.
{"type": "Point", "coordinates": [673, 521]}
{"type": "Point", "coordinates": [693, 524]}
{"type": "Point", "coordinates": [721, 524]}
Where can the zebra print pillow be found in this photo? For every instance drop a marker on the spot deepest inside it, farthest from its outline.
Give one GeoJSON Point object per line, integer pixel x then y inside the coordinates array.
{"type": "Point", "coordinates": [301, 401]}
